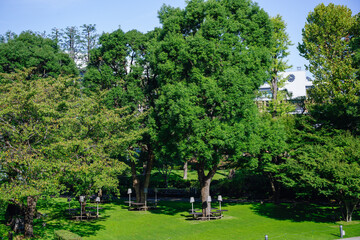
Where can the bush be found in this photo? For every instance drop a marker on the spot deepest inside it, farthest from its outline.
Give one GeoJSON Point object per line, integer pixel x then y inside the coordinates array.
{"type": "Point", "coordinates": [66, 235]}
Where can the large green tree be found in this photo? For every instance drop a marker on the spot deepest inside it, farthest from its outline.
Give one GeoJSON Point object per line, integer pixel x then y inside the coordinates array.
{"type": "Point", "coordinates": [209, 60]}
{"type": "Point", "coordinates": [30, 50]}
{"type": "Point", "coordinates": [327, 37]}
{"type": "Point", "coordinates": [119, 65]}
{"type": "Point", "coordinates": [51, 132]}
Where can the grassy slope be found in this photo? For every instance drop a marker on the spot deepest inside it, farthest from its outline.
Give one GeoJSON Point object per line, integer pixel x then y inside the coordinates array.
{"type": "Point", "coordinates": [243, 221]}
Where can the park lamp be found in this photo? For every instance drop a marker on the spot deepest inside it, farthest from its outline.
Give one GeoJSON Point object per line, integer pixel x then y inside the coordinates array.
{"type": "Point", "coordinates": [82, 199]}
{"type": "Point", "coordinates": [145, 192]}
{"type": "Point", "coordinates": [209, 198]}
{"type": "Point", "coordinates": [192, 200]}
{"type": "Point", "coordinates": [129, 192]}
{"type": "Point", "coordinates": [97, 200]}
{"type": "Point", "coordinates": [156, 191]}
{"type": "Point", "coordinates": [220, 200]}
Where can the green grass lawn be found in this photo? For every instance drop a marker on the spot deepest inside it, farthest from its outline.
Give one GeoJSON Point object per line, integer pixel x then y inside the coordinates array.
{"type": "Point", "coordinates": [192, 175]}
{"type": "Point", "coordinates": [242, 221]}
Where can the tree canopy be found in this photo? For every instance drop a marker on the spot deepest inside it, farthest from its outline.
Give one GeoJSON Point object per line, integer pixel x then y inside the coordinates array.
{"type": "Point", "coordinates": [31, 50]}
{"type": "Point", "coordinates": [327, 37]}
{"type": "Point", "coordinates": [328, 164]}
{"type": "Point", "coordinates": [53, 137]}
{"type": "Point", "coordinates": [209, 60]}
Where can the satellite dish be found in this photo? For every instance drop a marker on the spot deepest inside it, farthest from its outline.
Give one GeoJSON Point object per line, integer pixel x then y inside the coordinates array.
{"type": "Point", "coordinates": [291, 77]}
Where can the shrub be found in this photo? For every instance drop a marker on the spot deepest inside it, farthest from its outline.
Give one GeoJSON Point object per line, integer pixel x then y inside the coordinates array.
{"type": "Point", "coordinates": [66, 235]}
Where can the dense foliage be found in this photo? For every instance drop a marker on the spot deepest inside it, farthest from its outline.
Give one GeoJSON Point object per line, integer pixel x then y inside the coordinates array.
{"type": "Point", "coordinates": [210, 59]}
{"type": "Point", "coordinates": [53, 136]}
{"type": "Point", "coordinates": [327, 37]}
{"type": "Point", "coordinates": [184, 93]}
{"type": "Point", "coordinates": [31, 50]}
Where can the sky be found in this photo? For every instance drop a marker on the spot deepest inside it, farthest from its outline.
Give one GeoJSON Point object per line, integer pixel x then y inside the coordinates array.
{"type": "Point", "coordinates": [109, 15]}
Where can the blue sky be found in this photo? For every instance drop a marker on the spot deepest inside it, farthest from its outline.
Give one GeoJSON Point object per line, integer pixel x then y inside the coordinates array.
{"type": "Point", "coordinates": [108, 15]}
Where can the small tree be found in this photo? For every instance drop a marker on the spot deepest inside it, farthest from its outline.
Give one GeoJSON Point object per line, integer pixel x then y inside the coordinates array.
{"type": "Point", "coordinates": [280, 43]}
{"type": "Point", "coordinates": [89, 40]}
{"type": "Point", "coordinates": [329, 165]}
{"type": "Point", "coordinates": [72, 42]}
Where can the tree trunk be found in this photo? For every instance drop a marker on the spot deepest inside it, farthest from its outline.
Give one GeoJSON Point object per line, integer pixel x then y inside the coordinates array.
{"type": "Point", "coordinates": [166, 179]}
{"type": "Point", "coordinates": [29, 216]}
{"type": "Point", "coordinates": [231, 173]}
{"type": "Point", "coordinates": [138, 187]}
{"type": "Point", "coordinates": [185, 170]}
{"type": "Point", "coordinates": [135, 182]}
{"type": "Point", "coordinates": [205, 182]}
{"type": "Point", "coordinates": [149, 167]}
{"type": "Point", "coordinates": [205, 192]}
{"type": "Point", "coordinates": [349, 207]}
{"type": "Point", "coordinates": [274, 90]}
{"type": "Point", "coordinates": [275, 187]}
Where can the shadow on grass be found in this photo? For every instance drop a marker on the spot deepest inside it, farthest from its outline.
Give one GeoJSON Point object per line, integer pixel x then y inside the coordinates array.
{"type": "Point", "coordinates": [163, 207]}
{"type": "Point", "coordinates": [171, 208]}
{"type": "Point", "coordinates": [58, 218]}
{"type": "Point", "coordinates": [299, 212]}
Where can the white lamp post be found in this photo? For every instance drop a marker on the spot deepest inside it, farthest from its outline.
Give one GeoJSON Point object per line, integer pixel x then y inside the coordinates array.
{"type": "Point", "coordinates": [192, 200]}
{"type": "Point", "coordinates": [220, 200]}
{"type": "Point", "coordinates": [82, 199]}
{"type": "Point", "coordinates": [145, 192]}
{"type": "Point", "coordinates": [156, 191]}
{"type": "Point", "coordinates": [97, 206]}
{"type": "Point", "coordinates": [129, 192]}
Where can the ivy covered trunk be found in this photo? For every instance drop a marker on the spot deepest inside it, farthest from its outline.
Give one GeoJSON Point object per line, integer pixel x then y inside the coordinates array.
{"type": "Point", "coordinates": [29, 216]}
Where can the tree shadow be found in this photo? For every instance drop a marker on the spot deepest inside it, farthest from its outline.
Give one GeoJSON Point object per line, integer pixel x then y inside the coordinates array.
{"type": "Point", "coordinates": [171, 208]}
{"type": "Point", "coordinates": [59, 219]}
{"type": "Point", "coordinates": [299, 212]}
